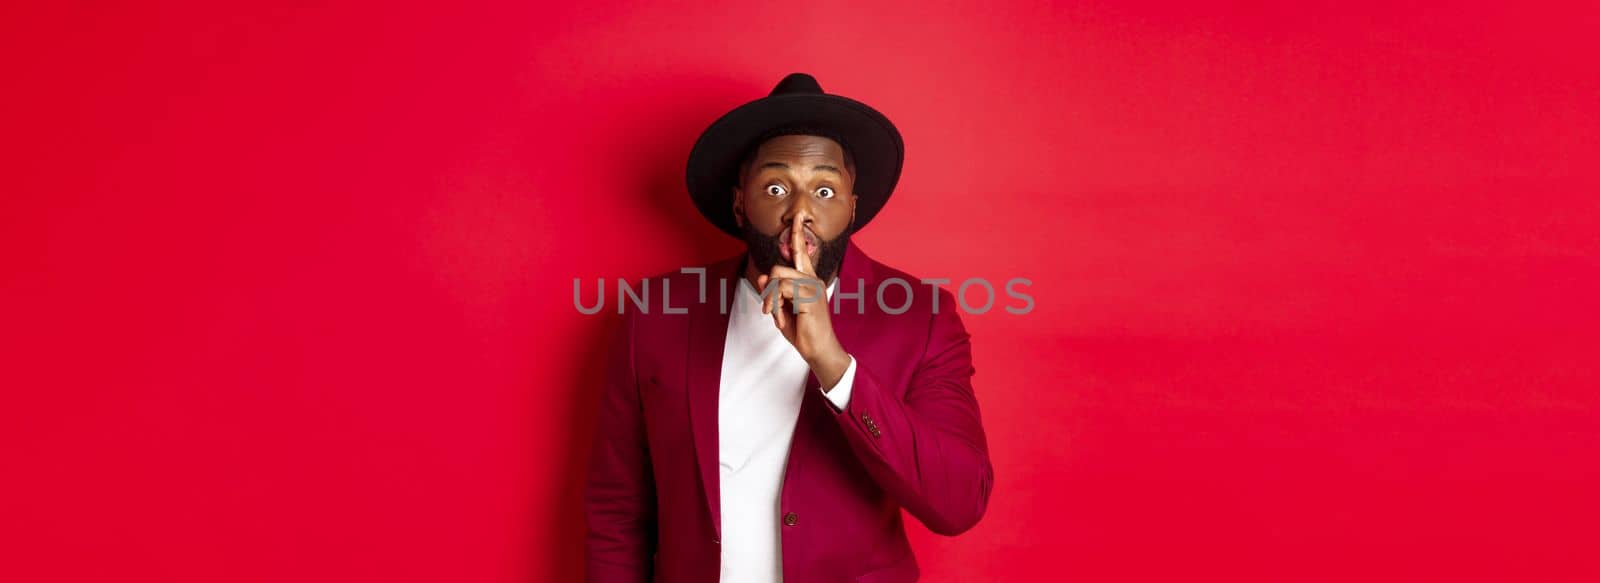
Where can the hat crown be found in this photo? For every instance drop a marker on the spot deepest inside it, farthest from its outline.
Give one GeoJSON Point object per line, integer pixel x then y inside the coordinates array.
{"type": "Point", "coordinates": [797, 83]}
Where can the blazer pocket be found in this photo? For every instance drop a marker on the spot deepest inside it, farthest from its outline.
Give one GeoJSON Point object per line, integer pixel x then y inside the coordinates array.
{"type": "Point", "coordinates": [902, 571]}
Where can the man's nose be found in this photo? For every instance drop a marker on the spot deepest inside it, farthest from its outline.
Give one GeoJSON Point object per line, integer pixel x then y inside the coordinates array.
{"type": "Point", "coordinates": [799, 207]}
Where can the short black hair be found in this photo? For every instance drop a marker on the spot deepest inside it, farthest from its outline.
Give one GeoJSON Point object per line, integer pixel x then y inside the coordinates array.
{"type": "Point", "coordinates": [793, 130]}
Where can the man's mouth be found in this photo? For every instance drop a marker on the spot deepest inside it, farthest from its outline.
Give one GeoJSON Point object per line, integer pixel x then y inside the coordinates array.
{"type": "Point", "coordinates": [783, 244]}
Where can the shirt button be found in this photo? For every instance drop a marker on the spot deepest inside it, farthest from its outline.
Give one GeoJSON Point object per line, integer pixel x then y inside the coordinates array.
{"type": "Point", "coordinates": [790, 519]}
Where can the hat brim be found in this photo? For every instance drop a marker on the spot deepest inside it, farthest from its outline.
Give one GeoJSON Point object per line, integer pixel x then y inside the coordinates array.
{"type": "Point", "coordinates": [874, 143]}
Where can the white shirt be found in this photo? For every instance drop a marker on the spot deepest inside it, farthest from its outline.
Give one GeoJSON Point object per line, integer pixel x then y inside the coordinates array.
{"type": "Point", "coordinates": [763, 380]}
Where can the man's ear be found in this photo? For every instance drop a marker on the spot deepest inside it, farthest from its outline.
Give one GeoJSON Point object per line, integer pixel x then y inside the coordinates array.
{"type": "Point", "coordinates": [738, 207]}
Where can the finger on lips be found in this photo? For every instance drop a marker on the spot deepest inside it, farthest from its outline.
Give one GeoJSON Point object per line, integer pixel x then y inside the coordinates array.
{"type": "Point", "coordinates": [788, 280]}
{"type": "Point", "coordinates": [797, 245]}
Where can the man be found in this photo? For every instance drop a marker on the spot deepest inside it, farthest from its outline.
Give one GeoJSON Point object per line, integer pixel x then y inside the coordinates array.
{"type": "Point", "coordinates": [775, 437]}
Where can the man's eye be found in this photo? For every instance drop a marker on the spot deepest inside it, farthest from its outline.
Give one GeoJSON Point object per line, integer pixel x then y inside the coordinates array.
{"type": "Point", "coordinates": [825, 192]}
{"type": "Point", "coordinates": [776, 190]}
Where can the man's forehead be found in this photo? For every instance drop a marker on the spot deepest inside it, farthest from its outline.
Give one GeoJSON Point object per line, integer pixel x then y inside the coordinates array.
{"type": "Point", "coordinates": [799, 147]}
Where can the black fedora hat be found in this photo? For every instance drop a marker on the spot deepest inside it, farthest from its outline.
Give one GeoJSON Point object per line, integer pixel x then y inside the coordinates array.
{"type": "Point", "coordinates": [797, 101]}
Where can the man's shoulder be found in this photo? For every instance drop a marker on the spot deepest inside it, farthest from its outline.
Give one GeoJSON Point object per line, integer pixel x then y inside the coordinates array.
{"type": "Point", "coordinates": [889, 289]}
{"type": "Point", "coordinates": [669, 297]}
{"type": "Point", "coordinates": [694, 274]}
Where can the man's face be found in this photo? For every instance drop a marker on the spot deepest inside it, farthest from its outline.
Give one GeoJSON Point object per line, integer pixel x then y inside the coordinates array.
{"type": "Point", "coordinates": [797, 176]}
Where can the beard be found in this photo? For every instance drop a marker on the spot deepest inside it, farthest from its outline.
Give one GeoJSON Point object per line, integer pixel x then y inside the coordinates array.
{"type": "Point", "coordinates": [765, 254]}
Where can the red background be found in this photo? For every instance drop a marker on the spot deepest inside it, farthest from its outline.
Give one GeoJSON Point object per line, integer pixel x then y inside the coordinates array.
{"type": "Point", "coordinates": [287, 287]}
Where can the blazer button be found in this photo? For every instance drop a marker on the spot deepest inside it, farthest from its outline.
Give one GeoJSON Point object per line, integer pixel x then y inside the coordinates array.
{"type": "Point", "coordinates": [717, 540]}
{"type": "Point", "coordinates": [790, 519]}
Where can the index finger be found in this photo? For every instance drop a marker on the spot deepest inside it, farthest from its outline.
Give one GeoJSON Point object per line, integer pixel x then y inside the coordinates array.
{"type": "Point", "coordinates": [797, 246]}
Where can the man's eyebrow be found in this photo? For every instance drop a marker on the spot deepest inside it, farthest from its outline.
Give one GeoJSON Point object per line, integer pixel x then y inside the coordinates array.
{"type": "Point", "coordinates": [817, 168]}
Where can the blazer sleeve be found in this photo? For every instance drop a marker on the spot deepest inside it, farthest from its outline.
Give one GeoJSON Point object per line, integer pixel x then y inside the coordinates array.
{"type": "Point", "coordinates": [619, 497]}
{"type": "Point", "coordinates": [929, 449]}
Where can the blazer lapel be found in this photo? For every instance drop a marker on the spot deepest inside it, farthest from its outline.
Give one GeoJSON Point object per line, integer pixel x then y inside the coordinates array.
{"type": "Point", "coordinates": [708, 331]}
{"type": "Point", "coordinates": [847, 323]}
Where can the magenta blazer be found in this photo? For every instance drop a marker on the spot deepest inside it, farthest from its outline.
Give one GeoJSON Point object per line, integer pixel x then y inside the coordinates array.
{"type": "Point", "coordinates": [910, 438]}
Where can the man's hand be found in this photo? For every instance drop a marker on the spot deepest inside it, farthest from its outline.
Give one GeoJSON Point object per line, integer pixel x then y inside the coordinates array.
{"type": "Point", "coordinates": [805, 322]}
